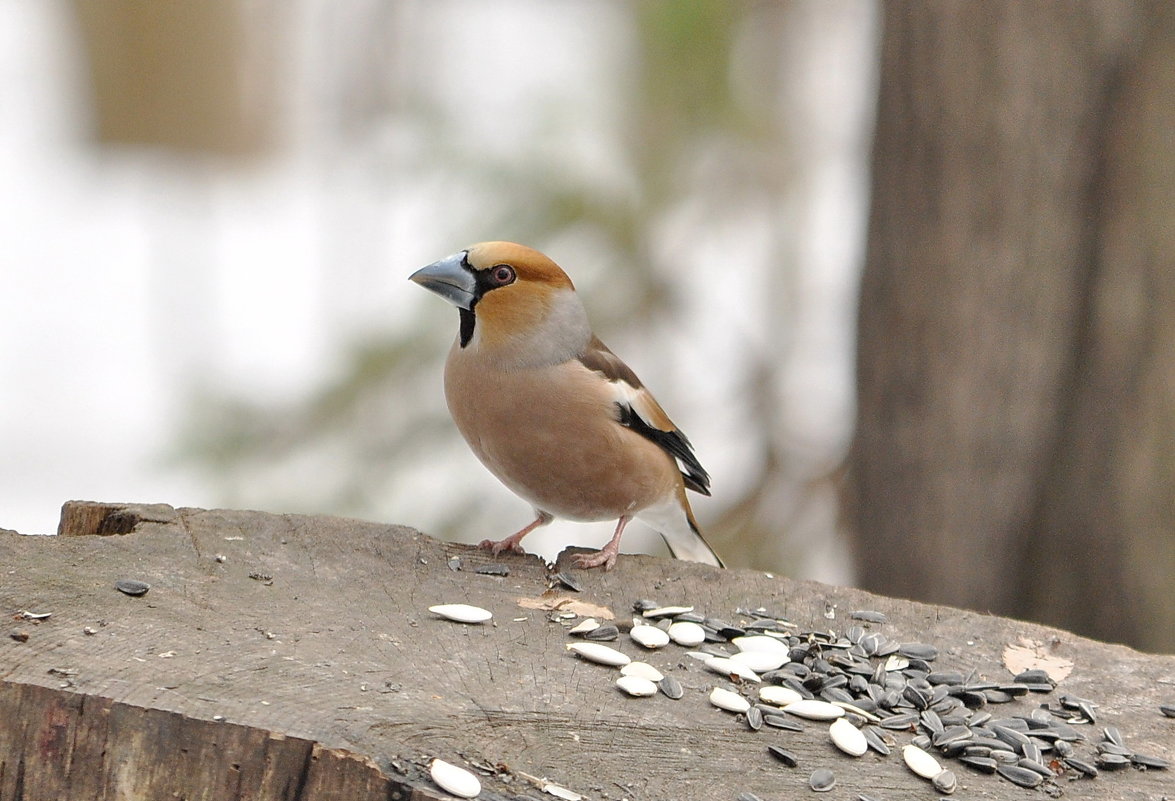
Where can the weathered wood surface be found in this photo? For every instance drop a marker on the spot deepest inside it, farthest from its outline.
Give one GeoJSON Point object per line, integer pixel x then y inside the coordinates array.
{"type": "Point", "coordinates": [287, 657]}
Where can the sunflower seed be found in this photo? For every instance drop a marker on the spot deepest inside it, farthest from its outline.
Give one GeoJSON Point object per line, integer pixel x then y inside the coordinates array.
{"type": "Point", "coordinates": [1039, 767]}
{"type": "Point", "coordinates": [876, 739]}
{"type": "Point", "coordinates": [569, 581]}
{"type": "Point", "coordinates": [1034, 676]}
{"type": "Point", "coordinates": [951, 677]}
{"type": "Point", "coordinates": [603, 633]}
{"type": "Point", "coordinates": [980, 763]}
{"type": "Point", "coordinates": [1114, 736]}
{"type": "Point", "coordinates": [729, 700]}
{"type": "Point", "coordinates": [1149, 762]}
{"type": "Point", "coordinates": [868, 616]}
{"type": "Point", "coordinates": [747, 797]}
{"type": "Point", "coordinates": [754, 718]}
{"type": "Point", "coordinates": [822, 780]}
{"type": "Point", "coordinates": [637, 686]}
{"type": "Point", "coordinates": [784, 756]}
{"type": "Point", "coordinates": [462, 613]}
{"type": "Point", "coordinates": [945, 782]}
{"type": "Point", "coordinates": [1168, 710]}
{"type": "Point", "coordinates": [918, 650]}
{"type": "Point", "coordinates": [1021, 776]}
{"type": "Point", "coordinates": [848, 737]}
{"type": "Point", "coordinates": [132, 587]}
{"type": "Point", "coordinates": [600, 654]}
{"type": "Point", "coordinates": [1110, 748]}
{"type": "Point", "coordinates": [454, 780]}
{"type": "Point", "coordinates": [781, 722]}
{"type": "Point", "coordinates": [899, 722]}
{"type": "Point", "coordinates": [642, 669]}
{"type": "Point", "coordinates": [671, 688]}
{"type": "Point", "coordinates": [951, 735]}
{"type": "Point", "coordinates": [1010, 736]}
{"type": "Point", "coordinates": [1112, 761]}
{"type": "Point", "coordinates": [1081, 766]}
{"type": "Point", "coordinates": [932, 722]}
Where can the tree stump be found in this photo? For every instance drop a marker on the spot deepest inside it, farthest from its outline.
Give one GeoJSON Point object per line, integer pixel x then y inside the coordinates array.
{"type": "Point", "coordinates": [293, 657]}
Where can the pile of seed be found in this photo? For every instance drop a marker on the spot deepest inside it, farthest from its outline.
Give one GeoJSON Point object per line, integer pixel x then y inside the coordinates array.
{"type": "Point", "coordinates": [868, 689]}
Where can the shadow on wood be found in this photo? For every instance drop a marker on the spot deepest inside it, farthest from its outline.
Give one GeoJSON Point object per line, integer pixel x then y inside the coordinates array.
{"type": "Point", "coordinates": [290, 657]}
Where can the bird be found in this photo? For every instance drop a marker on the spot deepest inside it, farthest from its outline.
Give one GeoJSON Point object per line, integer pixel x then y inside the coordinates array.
{"type": "Point", "coordinates": [554, 414]}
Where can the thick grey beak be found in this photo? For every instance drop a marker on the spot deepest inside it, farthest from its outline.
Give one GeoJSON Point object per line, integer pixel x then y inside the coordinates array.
{"type": "Point", "coordinates": [450, 278]}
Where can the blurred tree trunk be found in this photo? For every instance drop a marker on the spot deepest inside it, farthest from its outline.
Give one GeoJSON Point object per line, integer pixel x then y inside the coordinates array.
{"type": "Point", "coordinates": [1015, 446]}
{"type": "Point", "coordinates": [178, 74]}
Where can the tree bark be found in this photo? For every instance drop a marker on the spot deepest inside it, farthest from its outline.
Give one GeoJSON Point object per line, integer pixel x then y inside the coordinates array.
{"type": "Point", "coordinates": [1015, 446]}
{"type": "Point", "coordinates": [290, 658]}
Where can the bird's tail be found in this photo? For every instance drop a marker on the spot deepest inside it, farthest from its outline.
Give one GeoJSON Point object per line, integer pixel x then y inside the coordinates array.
{"type": "Point", "coordinates": [679, 529]}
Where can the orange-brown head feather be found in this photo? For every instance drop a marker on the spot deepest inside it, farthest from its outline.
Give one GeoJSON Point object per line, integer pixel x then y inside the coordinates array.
{"type": "Point", "coordinates": [536, 317]}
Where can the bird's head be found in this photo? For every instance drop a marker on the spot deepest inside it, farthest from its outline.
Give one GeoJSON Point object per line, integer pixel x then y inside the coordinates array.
{"type": "Point", "coordinates": [516, 304]}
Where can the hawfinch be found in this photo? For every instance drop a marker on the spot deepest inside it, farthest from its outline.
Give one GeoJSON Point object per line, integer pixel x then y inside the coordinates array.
{"type": "Point", "coordinates": [553, 413]}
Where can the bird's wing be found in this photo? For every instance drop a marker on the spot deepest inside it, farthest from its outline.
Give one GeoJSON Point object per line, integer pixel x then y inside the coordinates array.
{"type": "Point", "coordinates": [638, 410]}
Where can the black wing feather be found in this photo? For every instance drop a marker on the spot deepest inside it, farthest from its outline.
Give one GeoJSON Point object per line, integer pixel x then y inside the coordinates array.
{"type": "Point", "coordinates": [672, 442]}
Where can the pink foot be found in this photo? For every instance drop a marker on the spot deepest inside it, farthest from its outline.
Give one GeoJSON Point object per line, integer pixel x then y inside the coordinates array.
{"type": "Point", "coordinates": [514, 541]}
{"type": "Point", "coordinates": [605, 557]}
{"type": "Point", "coordinates": [511, 543]}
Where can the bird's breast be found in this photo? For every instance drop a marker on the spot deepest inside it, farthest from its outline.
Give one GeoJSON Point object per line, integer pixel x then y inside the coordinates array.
{"type": "Point", "coordinates": [550, 434]}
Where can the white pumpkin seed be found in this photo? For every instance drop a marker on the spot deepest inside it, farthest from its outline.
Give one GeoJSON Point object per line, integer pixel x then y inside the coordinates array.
{"type": "Point", "coordinates": [649, 636]}
{"type": "Point", "coordinates": [600, 654]}
{"type": "Point", "coordinates": [814, 710]}
{"type": "Point", "coordinates": [636, 686]}
{"type": "Point", "coordinates": [921, 762]}
{"type": "Point", "coordinates": [729, 700]}
{"type": "Point", "coordinates": [856, 710]}
{"type": "Point", "coordinates": [728, 667]}
{"type": "Point", "coordinates": [584, 626]}
{"type": "Point", "coordinates": [760, 661]}
{"type": "Point", "coordinates": [642, 669]}
{"type": "Point", "coordinates": [561, 792]}
{"type": "Point", "coordinates": [761, 642]}
{"type": "Point", "coordinates": [780, 696]}
{"type": "Point", "coordinates": [848, 737]}
{"type": "Point", "coordinates": [462, 613]}
{"type": "Point", "coordinates": [454, 780]}
{"type": "Point", "coordinates": [667, 611]}
{"type": "Point", "coordinates": [687, 634]}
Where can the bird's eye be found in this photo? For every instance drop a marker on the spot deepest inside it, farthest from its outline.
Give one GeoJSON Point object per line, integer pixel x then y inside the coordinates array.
{"type": "Point", "coordinates": [503, 274]}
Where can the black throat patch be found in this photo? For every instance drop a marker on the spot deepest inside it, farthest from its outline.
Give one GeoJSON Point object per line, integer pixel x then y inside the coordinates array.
{"type": "Point", "coordinates": [467, 322]}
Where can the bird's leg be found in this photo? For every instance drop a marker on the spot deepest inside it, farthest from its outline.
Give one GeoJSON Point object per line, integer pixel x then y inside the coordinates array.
{"type": "Point", "coordinates": [513, 542]}
{"type": "Point", "coordinates": [606, 556]}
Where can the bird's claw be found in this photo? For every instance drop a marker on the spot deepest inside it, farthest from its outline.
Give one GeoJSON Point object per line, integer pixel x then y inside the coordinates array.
{"type": "Point", "coordinates": [603, 558]}
{"type": "Point", "coordinates": [496, 547]}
